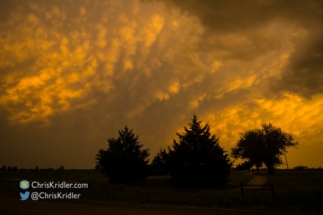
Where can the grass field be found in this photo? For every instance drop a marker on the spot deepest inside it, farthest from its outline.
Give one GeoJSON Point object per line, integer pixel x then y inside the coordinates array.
{"type": "Point", "coordinates": [296, 191]}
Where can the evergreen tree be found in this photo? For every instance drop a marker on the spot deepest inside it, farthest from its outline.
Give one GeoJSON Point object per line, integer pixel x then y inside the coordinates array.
{"type": "Point", "coordinates": [197, 159]}
{"type": "Point", "coordinates": [158, 166]}
{"type": "Point", "coordinates": [124, 161]}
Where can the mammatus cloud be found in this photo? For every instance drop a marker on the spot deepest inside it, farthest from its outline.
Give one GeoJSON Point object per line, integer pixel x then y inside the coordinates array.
{"type": "Point", "coordinates": [73, 73]}
{"type": "Point", "coordinates": [66, 55]}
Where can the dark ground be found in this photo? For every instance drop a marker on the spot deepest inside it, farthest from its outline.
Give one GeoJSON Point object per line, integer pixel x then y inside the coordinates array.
{"type": "Point", "coordinates": [13, 206]}
{"type": "Point", "coordinates": [297, 192]}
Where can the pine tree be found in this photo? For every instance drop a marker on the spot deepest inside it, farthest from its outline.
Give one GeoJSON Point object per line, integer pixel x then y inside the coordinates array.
{"type": "Point", "coordinates": [197, 159]}
{"type": "Point", "coordinates": [124, 161]}
{"type": "Point", "coordinates": [158, 166]}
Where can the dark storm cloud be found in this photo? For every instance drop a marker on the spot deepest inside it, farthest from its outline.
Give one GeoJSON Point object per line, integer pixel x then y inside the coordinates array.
{"type": "Point", "coordinates": [304, 73]}
{"type": "Point", "coordinates": [232, 16]}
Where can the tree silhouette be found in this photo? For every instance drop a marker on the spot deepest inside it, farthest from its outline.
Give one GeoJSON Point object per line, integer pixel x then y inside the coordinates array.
{"type": "Point", "coordinates": [263, 146]}
{"type": "Point", "coordinates": [250, 142]}
{"type": "Point", "coordinates": [197, 159]}
{"type": "Point", "coordinates": [14, 168]}
{"type": "Point", "coordinates": [244, 166]}
{"type": "Point", "coordinates": [124, 161]}
{"type": "Point", "coordinates": [158, 166]}
{"type": "Point", "coordinates": [61, 168]}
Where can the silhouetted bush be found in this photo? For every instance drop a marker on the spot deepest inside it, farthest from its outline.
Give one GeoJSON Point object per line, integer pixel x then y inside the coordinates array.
{"type": "Point", "coordinates": [14, 169]}
{"type": "Point", "coordinates": [158, 165]}
{"type": "Point", "coordinates": [244, 166]}
{"type": "Point", "coordinates": [61, 168]}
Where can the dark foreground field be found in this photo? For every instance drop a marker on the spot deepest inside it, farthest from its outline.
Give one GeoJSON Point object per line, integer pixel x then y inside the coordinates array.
{"type": "Point", "coordinates": [296, 192]}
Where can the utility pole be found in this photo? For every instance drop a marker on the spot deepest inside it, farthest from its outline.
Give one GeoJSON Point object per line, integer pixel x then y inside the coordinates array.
{"type": "Point", "coordinates": [286, 158]}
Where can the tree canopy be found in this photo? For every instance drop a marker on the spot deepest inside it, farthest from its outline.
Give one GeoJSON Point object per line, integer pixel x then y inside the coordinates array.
{"type": "Point", "coordinates": [158, 166]}
{"type": "Point", "coordinates": [197, 159]}
{"type": "Point", "coordinates": [263, 146]}
{"type": "Point", "coordinates": [124, 161]}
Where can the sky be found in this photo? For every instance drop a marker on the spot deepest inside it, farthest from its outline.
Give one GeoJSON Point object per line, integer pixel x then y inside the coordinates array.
{"type": "Point", "coordinates": [73, 73]}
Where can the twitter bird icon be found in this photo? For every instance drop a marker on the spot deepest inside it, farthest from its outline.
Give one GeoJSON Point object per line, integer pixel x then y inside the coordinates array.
{"type": "Point", "coordinates": [24, 196]}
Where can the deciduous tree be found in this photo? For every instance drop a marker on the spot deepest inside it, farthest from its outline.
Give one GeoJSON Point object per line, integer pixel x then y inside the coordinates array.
{"type": "Point", "coordinates": [263, 146]}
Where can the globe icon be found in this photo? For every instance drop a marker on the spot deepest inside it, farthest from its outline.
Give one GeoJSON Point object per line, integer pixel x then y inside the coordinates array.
{"type": "Point", "coordinates": [24, 184]}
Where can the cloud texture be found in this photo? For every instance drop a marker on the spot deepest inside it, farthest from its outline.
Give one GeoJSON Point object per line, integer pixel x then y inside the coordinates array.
{"type": "Point", "coordinates": [73, 73]}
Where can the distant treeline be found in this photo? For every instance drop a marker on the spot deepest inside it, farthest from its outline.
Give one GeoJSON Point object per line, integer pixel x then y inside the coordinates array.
{"type": "Point", "coordinates": [36, 169]}
{"type": "Point", "coordinates": [152, 171]}
{"type": "Point", "coordinates": [5, 168]}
